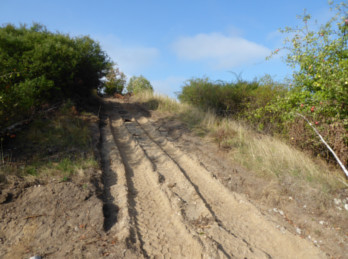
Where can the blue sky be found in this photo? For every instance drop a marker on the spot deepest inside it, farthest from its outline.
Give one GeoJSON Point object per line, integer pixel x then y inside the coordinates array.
{"type": "Point", "coordinates": [169, 42]}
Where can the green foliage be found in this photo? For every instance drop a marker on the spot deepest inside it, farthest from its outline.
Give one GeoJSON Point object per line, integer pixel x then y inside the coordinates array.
{"type": "Point", "coordinates": [319, 56]}
{"type": "Point", "coordinates": [37, 66]}
{"type": "Point", "coordinates": [138, 84]}
{"type": "Point", "coordinates": [319, 90]}
{"type": "Point", "coordinates": [234, 98]}
{"type": "Point", "coordinates": [115, 81]}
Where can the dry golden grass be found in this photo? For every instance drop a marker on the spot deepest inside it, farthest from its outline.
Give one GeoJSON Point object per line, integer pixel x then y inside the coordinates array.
{"type": "Point", "coordinates": [159, 102]}
{"type": "Point", "coordinates": [265, 155]}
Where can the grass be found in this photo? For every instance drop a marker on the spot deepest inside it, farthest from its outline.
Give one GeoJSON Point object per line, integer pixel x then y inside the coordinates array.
{"type": "Point", "coordinates": [57, 144]}
{"type": "Point", "coordinates": [265, 155]}
{"type": "Point", "coordinates": [159, 102]}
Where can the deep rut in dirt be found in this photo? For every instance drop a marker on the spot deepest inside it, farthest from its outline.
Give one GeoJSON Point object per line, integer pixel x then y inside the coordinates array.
{"type": "Point", "coordinates": [167, 203]}
{"type": "Point", "coordinates": [193, 207]}
{"type": "Point", "coordinates": [110, 209]}
{"type": "Point", "coordinates": [158, 228]}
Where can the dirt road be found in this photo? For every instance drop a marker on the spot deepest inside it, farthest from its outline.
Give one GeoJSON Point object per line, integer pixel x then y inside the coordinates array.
{"type": "Point", "coordinates": [166, 203]}
{"type": "Point", "coordinates": [160, 193]}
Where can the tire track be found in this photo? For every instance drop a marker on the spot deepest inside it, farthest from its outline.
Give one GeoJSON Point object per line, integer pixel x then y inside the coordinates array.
{"type": "Point", "coordinates": [234, 214]}
{"type": "Point", "coordinates": [116, 206]}
{"type": "Point", "coordinates": [158, 228]}
{"type": "Point", "coordinates": [178, 210]}
{"type": "Point", "coordinates": [195, 210]}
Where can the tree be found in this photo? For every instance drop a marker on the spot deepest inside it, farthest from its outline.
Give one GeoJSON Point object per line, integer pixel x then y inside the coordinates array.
{"type": "Point", "coordinates": [138, 84]}
{"type": "Point", "coordinates": [115, 81]}
{"type": "Point", "coordinates": [319, 56]}
{"type": "Point", "coordinates": [38, 66]}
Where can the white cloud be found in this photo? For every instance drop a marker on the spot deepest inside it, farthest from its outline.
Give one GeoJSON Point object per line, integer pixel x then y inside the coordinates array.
{"type": "Point", "coordinates": [132, 59]}
{"type": "Point", "coordinates": [220, 51]}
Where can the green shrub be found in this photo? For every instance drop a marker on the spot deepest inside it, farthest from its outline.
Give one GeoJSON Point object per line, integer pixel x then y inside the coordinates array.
{"type": "Point", "coordinates": [115, 81]}
{"type": "Point", "coordinates": [320, 59]}
{"type": "Point", "coordinates": [138, 84]}
{"type": "Point", "coordinates": [319, 89]}
{"type": "Point", "coordinates": [37, 67]}
{"type": "Point", "coordinates": [235, 98]}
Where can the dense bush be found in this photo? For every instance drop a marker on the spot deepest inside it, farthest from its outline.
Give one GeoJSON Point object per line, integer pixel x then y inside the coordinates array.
{"type": "Point", "coordinates": [115, 81]}
{"type": "Point", "coordinates": [38, 66]}
{"type": "Point", "coordinates": [234, 98]}
{"type": "Point", "coordinates": [319, 87]}
{"type": "Point", "coordinates": [138, 84]}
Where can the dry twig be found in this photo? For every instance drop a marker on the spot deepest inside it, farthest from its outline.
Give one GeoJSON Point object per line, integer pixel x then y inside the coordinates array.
{"type": "Point", "coordinates": [327, 145]}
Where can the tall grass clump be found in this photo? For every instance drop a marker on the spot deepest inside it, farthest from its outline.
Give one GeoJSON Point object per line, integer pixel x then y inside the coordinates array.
{"type": "Point", "coordinates": [272, 157]}
{"type": "Point", "coordinates": [155, 101]}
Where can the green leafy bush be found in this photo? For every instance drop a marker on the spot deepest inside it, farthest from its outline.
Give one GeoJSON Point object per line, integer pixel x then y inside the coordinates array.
{"type": "Point", "coordinates": [319, 90]}
{"type": "Point", "coordinates": [320, 60]}
{"type": "Point", "coordinates": [234, 98]}
{"type": "Point", "coordinates": [37, 67]}
{"type": "Point", "coordinates": [115, 81]}
{"type": "Point", "coordinates": [138, 84]}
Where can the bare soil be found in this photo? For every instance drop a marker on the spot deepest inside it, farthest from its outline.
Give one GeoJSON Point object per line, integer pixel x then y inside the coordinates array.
{"type": "Point", "coordinates": [161, 193]}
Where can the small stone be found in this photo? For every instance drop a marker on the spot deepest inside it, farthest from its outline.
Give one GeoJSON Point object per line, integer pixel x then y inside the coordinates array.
{"type": "Point", "coordinates": [304, 206]}
{"type": "Point", "coordinates": [281, 212]}
{"type": "Point", "coordinates": [346, 206]}
{"type": "Point", "coordinates": [321, 222]}
{"type": "Point", "coordinates": [290, 198]}
{"type": "Point", "coordinates": [309, 237]}
{"type": "Point", "coordinates": [337, 201]}
{"type": "Point", "coordinates": [281, 228]}
{"type": "Point", "coordinates": [298, 231]}
{"type": "Point", "coordinates": [35, 257]}
{"type": "Point", "coordinates": [275, 209]}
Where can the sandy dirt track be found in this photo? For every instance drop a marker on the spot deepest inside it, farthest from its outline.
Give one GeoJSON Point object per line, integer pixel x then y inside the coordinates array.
{"type": "Point", "coordinates": [170, 206]}
{"type": "Point", "coordinates": [154, 196]}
